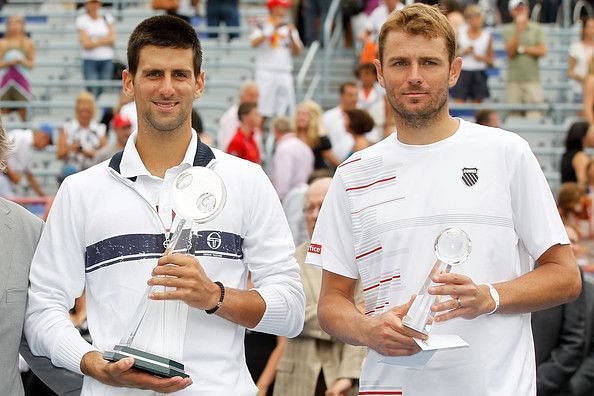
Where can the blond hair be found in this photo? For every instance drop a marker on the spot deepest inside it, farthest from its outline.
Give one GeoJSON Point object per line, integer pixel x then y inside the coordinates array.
{"type": "Point", "coordinates": [314, 130]}
{"type": "Point", "coordinates": [419, 19]}
{"type": "Point", "coordinates": [85, 97]}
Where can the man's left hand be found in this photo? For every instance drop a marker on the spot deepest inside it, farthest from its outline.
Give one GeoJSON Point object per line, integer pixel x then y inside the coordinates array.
{"type": "Point", "coordinates": [184, 273]}
{"type": "Point", "coordinates": [468, 301]}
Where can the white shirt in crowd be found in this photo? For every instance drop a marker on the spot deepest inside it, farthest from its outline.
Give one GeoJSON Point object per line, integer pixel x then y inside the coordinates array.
{"type": "Point", "coordinates": [19, 160]}
{"type": "Point", "coordinates": [342, 141]}
{"type": "Point", "coordinates": [96, 28]}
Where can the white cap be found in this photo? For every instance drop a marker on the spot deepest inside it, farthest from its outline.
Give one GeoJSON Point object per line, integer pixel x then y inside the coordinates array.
{"type": "Point", "coordinates": [513, 4]}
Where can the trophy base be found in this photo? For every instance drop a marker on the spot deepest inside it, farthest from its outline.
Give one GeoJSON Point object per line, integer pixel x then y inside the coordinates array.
{"type": "Point", "coordinates": [147, 362]}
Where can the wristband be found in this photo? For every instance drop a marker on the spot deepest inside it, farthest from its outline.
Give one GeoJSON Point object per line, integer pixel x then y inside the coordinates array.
{"type": "Point", "coordinates": [221, 298]}
{"type": "Point", "coordinates": [494, 295]}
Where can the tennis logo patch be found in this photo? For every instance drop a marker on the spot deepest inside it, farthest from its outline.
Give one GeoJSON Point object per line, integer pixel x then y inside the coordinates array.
{"type": "Point", "coordinates": [315, 248]}
{"type": "Point", "coordinates": [470, 176]}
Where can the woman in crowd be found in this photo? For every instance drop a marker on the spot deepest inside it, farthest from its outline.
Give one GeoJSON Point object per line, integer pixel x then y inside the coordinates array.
{"type": "Point", "coordinates": [81, 137]}
{"type": "Point", "coordinates": [17, 56]}
{"type": "Point", "coordinates": [308, 127]}
{"type": "Point", "coordinates": [97, 37]}
{"type": "Point", "coordinates": [476, 48]}
{"type": "Point", "coordinates": [358, 123]}
{"type": "Point", "coordinates": [575, 209]}
{"type": "Point", "coordinates": [574, 162]}
{"type": "Point", "coordinates": [580, 54]}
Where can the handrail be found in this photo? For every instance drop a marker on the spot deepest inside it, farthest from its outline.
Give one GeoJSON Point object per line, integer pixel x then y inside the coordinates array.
{"type": "Point", "coordinates": [334, 18]}
{"type": "Point", "coordinates": [305, 66]}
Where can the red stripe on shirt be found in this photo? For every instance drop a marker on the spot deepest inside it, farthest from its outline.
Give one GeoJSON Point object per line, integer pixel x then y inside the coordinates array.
{"type": "Point", "coordinates": [368, 253]}
{"type": "Point", "coordinates": [349, 162]}
{"type": "Point", "coordinates": [371, 184]}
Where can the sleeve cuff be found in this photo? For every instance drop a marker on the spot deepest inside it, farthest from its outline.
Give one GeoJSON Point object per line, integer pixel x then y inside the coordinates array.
{"type": "Point", "coordinates": [70, 350]}
{"type": "Point", "coordinates": [277, 319]}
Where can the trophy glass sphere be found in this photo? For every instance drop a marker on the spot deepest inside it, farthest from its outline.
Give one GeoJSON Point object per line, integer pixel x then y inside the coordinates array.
{"type": "Point", "coordinates": [452, 247]}
{"type": "Point", "coordinates": [157, 335]}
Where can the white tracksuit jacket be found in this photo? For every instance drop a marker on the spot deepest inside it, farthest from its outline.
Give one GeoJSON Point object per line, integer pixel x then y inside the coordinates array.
{"type": "Point", "coordinates": [104, 235]}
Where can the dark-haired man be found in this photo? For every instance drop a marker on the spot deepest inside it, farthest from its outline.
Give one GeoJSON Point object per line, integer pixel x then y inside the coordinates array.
{"type": "Point", "coordinates": [388, 203]}
{"type": "Point", "coordinates": [109, 224]}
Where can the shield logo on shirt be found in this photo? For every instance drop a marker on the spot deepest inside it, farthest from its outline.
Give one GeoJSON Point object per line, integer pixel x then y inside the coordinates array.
{"type": "Point", "coordinates": [213, 240]}
{"type": "Point", "coordinates": [470, 176]}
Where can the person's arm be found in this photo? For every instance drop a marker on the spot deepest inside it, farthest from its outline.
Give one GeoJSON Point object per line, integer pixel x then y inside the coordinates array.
{"type": "Point", "coordinates": [339, 316]}
{"type": "Point", "coordinates": [553, 374]}
{"type": "Point", "coordinates": [258, 37]}
{"type": "Point", "coordinates": [34, 184]}
{"type": "Point", "coordinates": [536, 50]}
{"type": "Point", "coordinates": [351, 362]}
{"type": "Point", "coordinates": [554, 282]}
{"type": "Point", "coordinates": [571, 63]}
{"type": "Point", "coordinates": [29, 60]}
{"type": "Point", "coordinates": [330, 158]}
{"type": "Point", "coordinates": [580, 163]}
{"type": "Point", "coordinates": [296, 44]}
{"type": "Point", "coordinates": [110, 39]}
{"type": "Point", "coordinates": [512, 39]}
{"type": "Point", "coordinates": [489, 56]}
{"type": "Point", "coordinates": [269, 372]}
{"type": "Point", "coordinates": [63, 147]}
{"type": "Point", "coordinates": [13, 176]}
{"type": "Point", "coordinates": [589, 98]}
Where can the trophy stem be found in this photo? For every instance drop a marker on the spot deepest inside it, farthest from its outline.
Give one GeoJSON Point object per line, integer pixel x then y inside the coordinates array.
{"type": "Point", "coordinates": [419, 316]}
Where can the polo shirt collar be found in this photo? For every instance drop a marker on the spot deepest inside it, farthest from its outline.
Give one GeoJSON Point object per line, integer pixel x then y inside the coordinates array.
{"type": "Point", "coordinates": [129, 164]}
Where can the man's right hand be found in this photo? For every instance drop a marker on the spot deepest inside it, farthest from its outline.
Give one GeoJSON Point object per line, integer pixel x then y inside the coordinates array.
{"type": "Point", "coordinates": [122, 374]}
{"type": "Point", "coordinates": [388, 336]}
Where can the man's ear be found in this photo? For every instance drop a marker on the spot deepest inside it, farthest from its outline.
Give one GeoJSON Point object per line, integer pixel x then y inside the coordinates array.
{"type": "Point", "coordinates": [455, 70]}
{"type": "Point", "coordinates": [200, 82]}
{"type": "Point", "coordinates": [379, 71]}
{"type": "Point", "coordinates": [128, 83]}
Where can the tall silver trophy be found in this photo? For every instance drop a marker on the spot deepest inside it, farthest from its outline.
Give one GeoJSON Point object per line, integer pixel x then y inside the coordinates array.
{"type": "Point", "coordinates": [452, 247]}
{"type": "Point", "coordinates": [156, 336]}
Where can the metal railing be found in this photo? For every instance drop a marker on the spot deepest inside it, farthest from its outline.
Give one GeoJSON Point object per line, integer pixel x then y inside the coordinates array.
{"type": "Point", "coordinates": [302, 75]}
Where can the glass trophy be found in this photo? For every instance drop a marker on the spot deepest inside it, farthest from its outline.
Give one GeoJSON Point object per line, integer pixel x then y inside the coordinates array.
{"type": "Point", "coordinates": [156, 337]}
{"type": "Point", "coordinates": [452, 247]}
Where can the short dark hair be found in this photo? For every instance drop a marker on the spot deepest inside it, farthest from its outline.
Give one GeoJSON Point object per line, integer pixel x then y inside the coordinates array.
{"type": "Point", "coordinates": [482, 116]}
{"type": "Point", "coordinates": [369, 67]}
{"type": "Point", "coordinates": [163, 31]}
{"type": "Point", "coordinates": [575, 135]}
{"type": "Point", "coordinates": [344, 86]}
{"type": "Point", "coordinates": [361, 121]}
{"type": "Point", "coordinates": [245, 109]}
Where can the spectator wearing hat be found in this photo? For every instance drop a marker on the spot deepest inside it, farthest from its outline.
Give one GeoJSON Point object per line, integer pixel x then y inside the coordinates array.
{"type": "Point", "coordinates": [24, 141]}
{"type": "Point", "coordinates": [122, 127]}
{"type": "Point", "coordinates": [525, 44]}
{"type": "Point", "coordinates": [276, 41]}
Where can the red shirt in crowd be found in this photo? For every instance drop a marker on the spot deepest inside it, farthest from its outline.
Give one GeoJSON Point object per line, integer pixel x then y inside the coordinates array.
{"type": "Point", "coordinates": [244, 146]}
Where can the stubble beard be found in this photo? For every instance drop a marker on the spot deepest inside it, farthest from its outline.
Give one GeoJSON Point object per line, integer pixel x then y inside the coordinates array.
{"type": "Point", "coordinates": [416, 119]}
{"type": "Point", "coordinates": [165, 126]}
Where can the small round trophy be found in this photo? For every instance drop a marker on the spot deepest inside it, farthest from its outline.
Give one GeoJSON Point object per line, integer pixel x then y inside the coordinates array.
{"type": "Point", "coordinates": [156, 337]}
{"type": "Point", "coordinates": [452, 247]}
